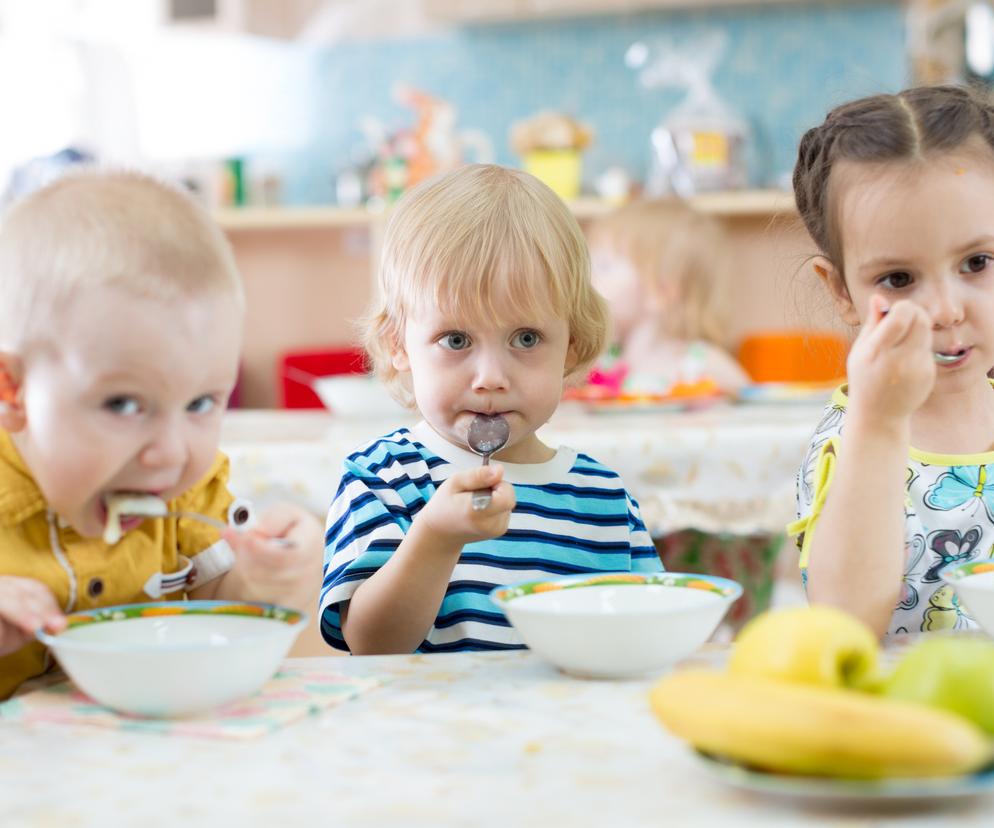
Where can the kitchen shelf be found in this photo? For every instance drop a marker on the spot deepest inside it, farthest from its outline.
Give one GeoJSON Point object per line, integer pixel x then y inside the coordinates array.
{"type": "Point", "coordinates": [292, 218]}
{"type": "Point", "coordinates": [738, 204]}
{"type": "Point", "coordinates": [496, 11]}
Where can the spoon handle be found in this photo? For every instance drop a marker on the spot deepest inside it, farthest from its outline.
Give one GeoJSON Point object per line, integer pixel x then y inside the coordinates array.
{"type": "Point", "coordinates": [210, 521]}
{"type": "Point", "coordinates": [482, 497]}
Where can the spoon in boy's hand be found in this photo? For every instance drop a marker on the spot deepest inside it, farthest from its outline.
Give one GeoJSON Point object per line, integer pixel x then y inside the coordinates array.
{"type": "Point", "coordinates": [487, 435]}
{"type": "Point", "coordinates": [138, 505]}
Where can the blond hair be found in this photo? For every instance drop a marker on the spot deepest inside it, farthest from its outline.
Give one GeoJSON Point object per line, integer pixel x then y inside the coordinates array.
{"type": "Point", "coordinates": [105, 227]}
{"type": "Point", "coordinates": [482, 242]}
{"type": "Point", "coordinates": [668, 242]}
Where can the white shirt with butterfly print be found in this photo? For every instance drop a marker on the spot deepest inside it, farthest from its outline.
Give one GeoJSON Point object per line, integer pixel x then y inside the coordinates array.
{"type": "Point", "coordinates": [948, 518]}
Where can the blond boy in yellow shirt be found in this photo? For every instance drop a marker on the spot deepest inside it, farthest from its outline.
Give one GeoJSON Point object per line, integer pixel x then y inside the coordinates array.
{"type": "Point", "coordinates": [120, 330]}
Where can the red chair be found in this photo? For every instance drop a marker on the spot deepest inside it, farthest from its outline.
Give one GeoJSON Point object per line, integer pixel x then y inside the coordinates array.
{"type": "Point", "coordinates": [298, 369]}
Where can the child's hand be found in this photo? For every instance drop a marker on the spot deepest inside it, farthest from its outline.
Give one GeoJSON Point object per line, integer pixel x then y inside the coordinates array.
{"type": "Point", "coordinates": [450, 514]}
{"type": "Point", "coordinates": [26, 605]}
{"type": "Point", "coordinates": [280, 560]}
{"type": "Point", "coordinates": [891, 368]}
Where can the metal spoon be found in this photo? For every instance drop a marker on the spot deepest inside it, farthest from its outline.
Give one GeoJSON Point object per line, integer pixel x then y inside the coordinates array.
{"type": "Point", "coordinates": [238, 520]}
{"type": "Point", "coordinates": [487, 435]}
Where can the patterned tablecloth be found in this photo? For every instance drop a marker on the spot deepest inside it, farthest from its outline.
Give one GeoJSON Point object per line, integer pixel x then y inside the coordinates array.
{"type": "Point", "coordinates": [492, 739]}
{"type": "Point", "coordinates": [728, 468]}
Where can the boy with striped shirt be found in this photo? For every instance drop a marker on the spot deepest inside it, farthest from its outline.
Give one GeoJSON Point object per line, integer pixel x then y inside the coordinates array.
{"type": "Point", "coordinates": [484, 307]}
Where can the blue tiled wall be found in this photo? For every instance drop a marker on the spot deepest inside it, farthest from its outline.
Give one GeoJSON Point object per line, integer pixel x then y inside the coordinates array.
{"type": "Point", "coordinates": [784, 67]}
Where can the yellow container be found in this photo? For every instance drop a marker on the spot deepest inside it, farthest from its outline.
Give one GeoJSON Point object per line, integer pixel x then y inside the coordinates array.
{"type": "Point", "coordinates": [561, 170]}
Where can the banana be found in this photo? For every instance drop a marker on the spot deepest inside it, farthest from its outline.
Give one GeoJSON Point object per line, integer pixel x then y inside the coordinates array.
{"type": "Point", "coordinates": [805, 729]}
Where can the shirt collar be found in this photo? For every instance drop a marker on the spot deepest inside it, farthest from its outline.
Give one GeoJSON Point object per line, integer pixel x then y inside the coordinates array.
{"type": "Point", "coordinates": [20, 497]}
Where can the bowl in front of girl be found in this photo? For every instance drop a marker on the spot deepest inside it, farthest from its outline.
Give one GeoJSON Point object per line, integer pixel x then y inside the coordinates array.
{"type": "Point", "coordinates": [174, 658]}
{"type": "Point", "coordinates": [617, 624]}
{"type": "Point", "coordinates": [974, 585]}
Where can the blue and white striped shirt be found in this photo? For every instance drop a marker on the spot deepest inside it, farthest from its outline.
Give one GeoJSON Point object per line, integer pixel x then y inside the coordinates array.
{"type": "Point", "coordinates": [572, 516]}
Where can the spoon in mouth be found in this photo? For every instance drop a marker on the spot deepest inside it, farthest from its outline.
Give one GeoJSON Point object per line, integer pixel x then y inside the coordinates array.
{"type": "Point", "coordinates": [947, 359]}
{"type": "Point", "coordinates": [487, 435]}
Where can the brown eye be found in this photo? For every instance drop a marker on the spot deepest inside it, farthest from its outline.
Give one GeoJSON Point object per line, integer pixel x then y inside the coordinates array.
{"type": "Point", "coordinates": [240, 516]}
{"type": "Point", "coordinates": [975, 264]}
{"type": "Point", "coordinates": [896, 281]}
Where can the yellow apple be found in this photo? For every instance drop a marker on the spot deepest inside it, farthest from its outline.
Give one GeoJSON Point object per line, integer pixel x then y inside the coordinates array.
{"type": "Point", "coordinates": [808, 645]}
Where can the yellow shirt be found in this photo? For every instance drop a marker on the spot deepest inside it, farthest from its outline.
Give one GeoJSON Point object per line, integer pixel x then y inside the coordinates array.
{"type": "Point", "coordinates": [151, 562]}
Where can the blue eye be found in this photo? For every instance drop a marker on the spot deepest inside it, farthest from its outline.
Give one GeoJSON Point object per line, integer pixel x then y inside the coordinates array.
{"type": "Point", "coordinates": [526, 339]}
{"type": "Point", "coordinates": [202, 405]}
{"type": "Point", "coordinates": [122, 405]}
{"type": "Point", "coordinates": [975, 264]}
{"type": "Point", "coordinates": [454, 341]}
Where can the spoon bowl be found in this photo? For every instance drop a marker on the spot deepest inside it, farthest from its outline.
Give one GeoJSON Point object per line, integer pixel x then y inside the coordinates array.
{"type": "Point", "coordinates": [487, 435]}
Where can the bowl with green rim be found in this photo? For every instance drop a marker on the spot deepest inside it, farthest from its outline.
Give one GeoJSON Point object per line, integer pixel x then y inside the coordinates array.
{"type": "Point", "coordinates": [617, 624]}
{"type": "Point", "coordinates": [974, 585]}
{"type": "Point", "coordinates": [174, 658]}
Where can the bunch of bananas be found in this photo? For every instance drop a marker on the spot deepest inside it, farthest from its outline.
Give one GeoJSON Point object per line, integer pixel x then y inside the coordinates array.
{"type": "Point", "coordinates": [803, 694]}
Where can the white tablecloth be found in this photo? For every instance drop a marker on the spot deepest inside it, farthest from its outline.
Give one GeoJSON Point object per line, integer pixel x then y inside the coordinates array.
{"type": "Point", "coordinates": [475, 740]}
{"type": "Point", "coordinates": [728, 468]}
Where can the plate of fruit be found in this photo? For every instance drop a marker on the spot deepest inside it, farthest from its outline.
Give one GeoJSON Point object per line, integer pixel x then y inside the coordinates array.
{"type": "Point", "coordinates": [604, 399]}
{"type": "Point", "coordinates": [807, 707]}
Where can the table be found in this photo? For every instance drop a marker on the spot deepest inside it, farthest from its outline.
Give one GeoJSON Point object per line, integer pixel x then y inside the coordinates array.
{"type": "Point", "coordinates": [727, 468]}
{"type": "Point", "coordinates": [494, 739]}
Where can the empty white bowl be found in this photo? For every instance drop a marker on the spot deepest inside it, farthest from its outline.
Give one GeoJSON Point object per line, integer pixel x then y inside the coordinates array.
{"type": "Point", "coordinates": [357, 395]}
{"type": "Point", "coordinates": [618, 624]}
{"type": "Point", "coordinates": [174, 658]}
{"type": "Point", "coordinates": [974, 585]}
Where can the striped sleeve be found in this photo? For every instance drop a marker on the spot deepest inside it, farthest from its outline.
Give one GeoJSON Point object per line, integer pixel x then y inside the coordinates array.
{"type": "Point", "coordinates": [644, 555]}
{"type": "Point", "coordinates": [366, 523]}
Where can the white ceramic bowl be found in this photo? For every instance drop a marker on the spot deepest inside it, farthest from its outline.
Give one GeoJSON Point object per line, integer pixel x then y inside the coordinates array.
{"type": "Point", "coordinates": [174, 658]}
{"type": "Point", "coordinates": [974, 585]}
{"type": "Point", "coordinates": [357, 395]}
{"type": "Point", "coordinates": [618, 624]}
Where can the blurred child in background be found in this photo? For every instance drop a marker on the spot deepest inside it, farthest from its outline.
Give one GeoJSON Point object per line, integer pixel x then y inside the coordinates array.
{"type": "Point", "coordinates": [663, 268]}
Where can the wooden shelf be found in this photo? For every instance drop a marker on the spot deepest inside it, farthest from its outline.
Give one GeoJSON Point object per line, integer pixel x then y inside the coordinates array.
{"type": "Point", "coordinates": [495, 11]}
{"type": "Point", "coordinates": [292, 218]}
{"type": "Point", "coordinates": [744, 204]}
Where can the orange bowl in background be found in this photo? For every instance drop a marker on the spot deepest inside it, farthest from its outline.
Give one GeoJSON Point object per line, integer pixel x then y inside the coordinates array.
{"type": "Point", "coordinates": [794, 356]}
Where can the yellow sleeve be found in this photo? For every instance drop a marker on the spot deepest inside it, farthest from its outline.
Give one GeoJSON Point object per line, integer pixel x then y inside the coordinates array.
{"type": "Point", "coordinates": [824, 472]}
{"type": "Point", "coordinates": [208, 497]}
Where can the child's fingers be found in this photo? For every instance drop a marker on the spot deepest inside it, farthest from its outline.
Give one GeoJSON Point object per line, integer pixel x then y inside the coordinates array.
{"type": "Point", "coordinates": [878, 310]}
{"type": "Point", "coordinates": [30, 605]}
{"type": "Point", "coordinates": [279, 520]}
{"type": "Point", "coordinates": [482, 477]}
{"type": "Point", "coordinates": [255, 544]}
{"type": "Point", "coordinates": [503, 499]}
{"type": "Point", "coordinates": [900, 322]}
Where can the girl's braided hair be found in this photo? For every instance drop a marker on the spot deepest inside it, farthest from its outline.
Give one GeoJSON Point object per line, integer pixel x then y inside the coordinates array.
{"type": "Point", "coordinates": [907, 126]}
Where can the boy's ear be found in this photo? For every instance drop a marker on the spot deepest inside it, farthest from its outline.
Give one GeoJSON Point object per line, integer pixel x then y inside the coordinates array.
{"type": "Point", "coordinates": [11, 407]}
{"type": "Point", "coordinates": [833, 279]}
{"type": "Point", "coordinates": [399, 359]}
{"type": "Point", "coordinates": [571, 358]}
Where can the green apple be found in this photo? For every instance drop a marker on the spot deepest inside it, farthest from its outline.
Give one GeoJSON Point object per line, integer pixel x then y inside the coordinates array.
{"type": "Point", "coordinates": [816, 644]}
{"type": "Point", "coordinates": [955, 673]}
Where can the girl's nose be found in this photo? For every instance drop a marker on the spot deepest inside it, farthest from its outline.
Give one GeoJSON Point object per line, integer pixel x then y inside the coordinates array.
{"type": "Point", "coordinates": [946, 306]}
{"type": "Point", "coordinates": [166, 448]}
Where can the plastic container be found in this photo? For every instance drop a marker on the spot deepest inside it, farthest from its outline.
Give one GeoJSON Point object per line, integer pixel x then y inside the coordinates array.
{"type": "Point", "coordinates": [794, 356]}
{"type": "Point", "coordinates": [560, 169]}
